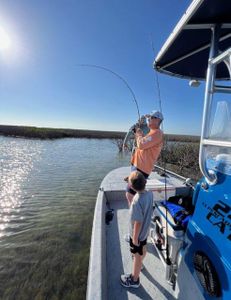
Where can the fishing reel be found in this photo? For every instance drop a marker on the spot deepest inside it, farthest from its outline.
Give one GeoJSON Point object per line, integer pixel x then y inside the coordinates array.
{"type": "Point", "coordinates": [141, 122]}
{"type": "Point", "coordinates": [134, 128]}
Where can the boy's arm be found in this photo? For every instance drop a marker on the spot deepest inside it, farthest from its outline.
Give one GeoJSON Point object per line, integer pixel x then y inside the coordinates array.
{"type": "Point", "coordinates": [136, 232]}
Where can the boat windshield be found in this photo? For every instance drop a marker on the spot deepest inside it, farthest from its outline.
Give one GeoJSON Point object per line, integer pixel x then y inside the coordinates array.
{"type": "Point", "coordinates": [220, 120]}
{"type": "Point", "coordinates": [219, 158]}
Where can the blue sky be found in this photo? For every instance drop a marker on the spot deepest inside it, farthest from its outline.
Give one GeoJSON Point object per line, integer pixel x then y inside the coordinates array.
{"type": "Point", "coordinates": [42, 84]}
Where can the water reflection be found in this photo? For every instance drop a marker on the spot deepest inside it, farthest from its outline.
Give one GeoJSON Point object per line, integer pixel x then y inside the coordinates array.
{"type": "Point", "coordinates": [17, 157]}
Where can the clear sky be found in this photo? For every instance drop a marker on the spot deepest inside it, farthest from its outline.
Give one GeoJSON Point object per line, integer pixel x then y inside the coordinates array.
{"type": "Point", "coordinates": [42, 84]}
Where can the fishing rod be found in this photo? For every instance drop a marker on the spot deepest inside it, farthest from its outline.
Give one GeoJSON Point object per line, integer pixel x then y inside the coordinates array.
{"type": "Point", "coordinates": [118, 76]}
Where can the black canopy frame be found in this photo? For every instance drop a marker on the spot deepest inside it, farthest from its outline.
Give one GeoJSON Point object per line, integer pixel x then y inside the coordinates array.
{"type": "Point", "coordinates": [185, 53]}
{"type": "Point", "coordinates": [200, 48]}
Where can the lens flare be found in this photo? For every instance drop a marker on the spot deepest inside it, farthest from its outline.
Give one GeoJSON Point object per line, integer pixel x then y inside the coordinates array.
{"type": "Point", "coordinates": [5, 41]}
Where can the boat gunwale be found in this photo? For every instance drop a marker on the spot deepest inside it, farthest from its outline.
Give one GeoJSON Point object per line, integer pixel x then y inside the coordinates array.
{"type": "Point", "coordinates": [96, 285]}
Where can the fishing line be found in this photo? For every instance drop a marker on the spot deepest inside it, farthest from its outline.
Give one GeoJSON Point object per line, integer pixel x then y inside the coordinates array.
{"type": "Point", "coordinates": [168, 261]}
{"type": "Point", "coordinates": [157, 83]}
{"type": "Point", "coordinates": [118, 76]}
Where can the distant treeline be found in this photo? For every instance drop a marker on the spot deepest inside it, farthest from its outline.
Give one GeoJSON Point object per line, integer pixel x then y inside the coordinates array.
{"type": "Point", "coordinates": [56, 133]}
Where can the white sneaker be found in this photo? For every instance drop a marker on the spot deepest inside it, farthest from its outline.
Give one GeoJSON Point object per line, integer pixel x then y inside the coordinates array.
{"type": "Point", "coordinates": [127, 281]}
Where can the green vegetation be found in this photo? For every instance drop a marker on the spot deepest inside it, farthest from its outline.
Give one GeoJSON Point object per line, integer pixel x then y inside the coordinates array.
{"type": "Point", "coordinates": [182, 138]}
{"type": "Point", "coordinates": [54, 133]}
{"type": "Point", "coordinates": [181, 158]}
{"type": "Point", "coordinates": [57, 133]}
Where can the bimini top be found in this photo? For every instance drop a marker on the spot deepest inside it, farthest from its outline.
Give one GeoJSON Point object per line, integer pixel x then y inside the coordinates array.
{"type": "Point", "coordinates": [186, 51]}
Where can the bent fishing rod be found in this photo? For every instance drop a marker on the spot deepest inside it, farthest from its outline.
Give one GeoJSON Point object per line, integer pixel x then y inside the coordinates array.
{"type": "Point", "coordinates": [118, 76]}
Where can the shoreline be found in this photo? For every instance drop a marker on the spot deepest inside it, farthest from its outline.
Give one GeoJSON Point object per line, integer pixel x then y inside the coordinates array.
{"type": "Point", "coordinates": [58, 133]}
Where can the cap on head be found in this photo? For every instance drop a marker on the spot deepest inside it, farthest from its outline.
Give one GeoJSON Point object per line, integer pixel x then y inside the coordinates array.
{"type": "Point", "coordinates": [157, 114]}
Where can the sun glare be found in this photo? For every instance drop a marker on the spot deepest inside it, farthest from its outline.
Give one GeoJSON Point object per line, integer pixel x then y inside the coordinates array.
{"type": "Point", "coordinates": [5, 41]}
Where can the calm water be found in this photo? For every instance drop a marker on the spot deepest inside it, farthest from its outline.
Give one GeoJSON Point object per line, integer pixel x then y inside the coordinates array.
{"type": "Point", "coordinates": [47, 196]}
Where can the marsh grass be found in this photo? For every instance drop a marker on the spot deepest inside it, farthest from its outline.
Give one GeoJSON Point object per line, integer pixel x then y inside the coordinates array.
{"type": "Point", "coordinates": [56, 133]}
{"type": "Point", "coordinates": [182, 158]}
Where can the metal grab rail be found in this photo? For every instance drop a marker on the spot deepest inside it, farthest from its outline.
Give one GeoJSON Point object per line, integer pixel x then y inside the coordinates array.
{"type": "Point", "coordinates": [221, 57]}
{"type": "Point", "coordinates": [222, 89]}
{"type": "Point", "coordinates": [217, 143]}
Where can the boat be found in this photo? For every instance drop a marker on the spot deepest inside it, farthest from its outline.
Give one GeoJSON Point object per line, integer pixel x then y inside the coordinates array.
{"type": "Point", "coordinates": [189, 261]}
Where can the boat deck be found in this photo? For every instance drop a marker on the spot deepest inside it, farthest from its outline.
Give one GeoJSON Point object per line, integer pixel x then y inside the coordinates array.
{"type": "Point", "coordinates": [110, 256]}
{"type": "Point", "coordinates": [119, 261]}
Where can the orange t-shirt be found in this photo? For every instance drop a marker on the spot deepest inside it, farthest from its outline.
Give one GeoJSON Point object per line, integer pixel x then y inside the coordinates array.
{"type": "Point", "coordinates": [148, 150]}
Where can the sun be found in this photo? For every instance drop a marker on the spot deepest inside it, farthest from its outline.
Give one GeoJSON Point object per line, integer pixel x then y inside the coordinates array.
{"type": "Point", "coordinates": [5, 41]}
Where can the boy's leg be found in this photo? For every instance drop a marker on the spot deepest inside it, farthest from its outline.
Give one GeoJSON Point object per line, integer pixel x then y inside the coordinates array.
{"type": "Point", "coordinates": [144, 253]}
{"type": "Point", "coordinates": [132, 280]}
{"type": "Point", "coordinates": [137, 263]}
